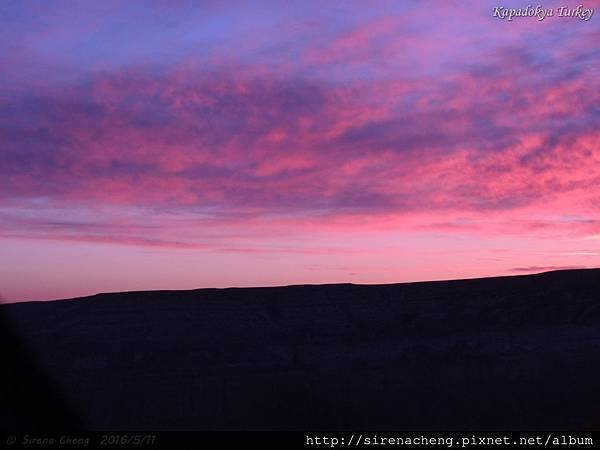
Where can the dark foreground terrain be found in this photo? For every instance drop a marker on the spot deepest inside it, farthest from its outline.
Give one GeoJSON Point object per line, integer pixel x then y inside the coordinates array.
{"type": "Point", "coordinates": [498, 353]}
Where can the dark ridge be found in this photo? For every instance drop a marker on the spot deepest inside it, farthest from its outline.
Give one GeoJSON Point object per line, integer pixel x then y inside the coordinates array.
{"type": "Point", "coordinates": [519, 352]}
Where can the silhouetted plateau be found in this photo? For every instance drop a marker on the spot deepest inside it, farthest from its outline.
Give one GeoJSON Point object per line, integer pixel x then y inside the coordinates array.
{"type": "Point", "coordinates": [518, 352]}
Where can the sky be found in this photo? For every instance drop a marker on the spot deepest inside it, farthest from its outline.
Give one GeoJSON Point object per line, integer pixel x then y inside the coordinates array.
{"type": "Point", "coordinates": [188, 144]}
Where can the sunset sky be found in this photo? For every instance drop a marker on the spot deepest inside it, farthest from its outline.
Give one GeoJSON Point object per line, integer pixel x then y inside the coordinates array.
{"type": "Point", "coordinates": [188, 144]}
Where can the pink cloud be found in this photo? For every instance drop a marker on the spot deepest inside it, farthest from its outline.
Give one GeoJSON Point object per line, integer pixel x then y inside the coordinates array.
{"type": "Point", "coordinates": [367, 135]}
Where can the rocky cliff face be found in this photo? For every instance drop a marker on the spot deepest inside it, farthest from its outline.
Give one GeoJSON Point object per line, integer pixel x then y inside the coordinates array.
{"type": "Point", "coordinates": [499, 353]}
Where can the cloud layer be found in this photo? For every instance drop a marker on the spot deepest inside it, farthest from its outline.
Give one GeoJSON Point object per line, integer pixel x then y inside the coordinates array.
{"type": "Point", "coordinates": [224, 130]}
